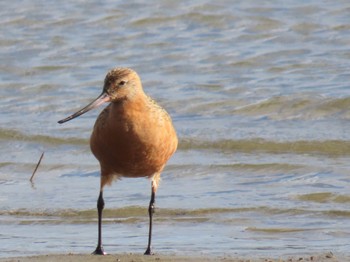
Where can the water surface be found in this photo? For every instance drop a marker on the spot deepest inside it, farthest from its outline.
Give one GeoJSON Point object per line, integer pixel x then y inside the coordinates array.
{"type": "Point", "coordinates": [259, 96]}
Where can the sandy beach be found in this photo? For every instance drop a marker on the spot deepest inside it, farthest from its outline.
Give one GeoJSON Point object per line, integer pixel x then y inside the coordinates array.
{"type": "Point", "coordinates": [326, 257]}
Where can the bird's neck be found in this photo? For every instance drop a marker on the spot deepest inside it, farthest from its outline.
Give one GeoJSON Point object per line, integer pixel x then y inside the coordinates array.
{"type": "Point", "coordinates": [129, 104]}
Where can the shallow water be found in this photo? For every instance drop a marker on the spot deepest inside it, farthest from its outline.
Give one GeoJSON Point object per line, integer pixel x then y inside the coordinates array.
{"type": "Point", "coordinates": [260, 99]}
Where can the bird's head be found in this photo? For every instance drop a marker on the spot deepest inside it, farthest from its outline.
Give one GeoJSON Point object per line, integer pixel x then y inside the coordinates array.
{"type": "Point", "coordinates": [120, 84]}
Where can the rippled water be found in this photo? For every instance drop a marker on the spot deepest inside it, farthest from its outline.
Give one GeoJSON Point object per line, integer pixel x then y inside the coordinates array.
{"type": "Point", "coordinates": [259, 94]}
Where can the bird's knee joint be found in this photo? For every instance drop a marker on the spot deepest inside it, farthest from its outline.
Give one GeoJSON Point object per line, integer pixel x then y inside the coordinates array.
{"type": "Point", "coordinates": [100, 203]}
{"type": "Point", "coordinates": [151, 208]}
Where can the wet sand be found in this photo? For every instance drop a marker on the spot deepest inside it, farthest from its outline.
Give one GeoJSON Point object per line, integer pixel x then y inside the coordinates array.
{"type": "Point", "coordinates": [326, 257]}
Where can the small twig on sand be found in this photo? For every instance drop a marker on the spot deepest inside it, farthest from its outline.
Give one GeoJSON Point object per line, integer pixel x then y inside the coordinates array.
{"type": "Point", "coordinates": [37, 165]}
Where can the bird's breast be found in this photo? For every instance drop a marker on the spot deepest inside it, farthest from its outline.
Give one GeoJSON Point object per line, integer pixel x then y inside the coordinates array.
{"type": "Point", "coordinates": [133, 142]}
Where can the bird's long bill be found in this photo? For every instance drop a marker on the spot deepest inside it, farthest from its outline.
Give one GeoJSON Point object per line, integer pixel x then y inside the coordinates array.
{"type": "Point", "coordinates": [97, 102]}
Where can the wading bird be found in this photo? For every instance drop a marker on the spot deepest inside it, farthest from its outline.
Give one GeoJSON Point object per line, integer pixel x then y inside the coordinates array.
{"type": "Point", "coordinates": [132, 137]}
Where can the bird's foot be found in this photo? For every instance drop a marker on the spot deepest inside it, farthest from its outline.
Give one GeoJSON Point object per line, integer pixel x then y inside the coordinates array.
{"type": "Point", "coordinates": [148, 252]}
{"type": "Point", "coordinates": [99, 251]}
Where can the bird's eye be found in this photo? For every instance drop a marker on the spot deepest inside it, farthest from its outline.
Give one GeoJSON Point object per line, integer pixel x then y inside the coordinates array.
{"type": "Point", "coordinates": [122, 83]}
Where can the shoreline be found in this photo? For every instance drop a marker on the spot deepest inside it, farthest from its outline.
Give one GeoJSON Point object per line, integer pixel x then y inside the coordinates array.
{"type": "Point", "coordinates": [324, 257]}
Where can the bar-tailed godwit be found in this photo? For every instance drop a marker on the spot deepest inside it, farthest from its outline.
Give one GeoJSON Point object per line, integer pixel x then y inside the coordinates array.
{"type": "Point", "coordinates": [132, 137]}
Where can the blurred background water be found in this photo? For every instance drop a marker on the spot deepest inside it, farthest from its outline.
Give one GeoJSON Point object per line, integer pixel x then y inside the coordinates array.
{"type": "Point", "coordinates": [259, 94]}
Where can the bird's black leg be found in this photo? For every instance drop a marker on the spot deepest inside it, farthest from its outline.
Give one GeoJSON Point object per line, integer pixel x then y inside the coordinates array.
{"type": "Point", "coordinates": [100, 205]}
{"type": "Point", "coordinates": [150, 212]}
